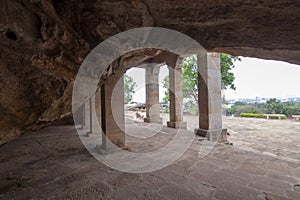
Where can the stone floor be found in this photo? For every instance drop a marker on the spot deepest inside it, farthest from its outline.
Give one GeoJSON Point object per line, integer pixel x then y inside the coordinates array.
{"type": "Point", "coordinates": [52, 163]}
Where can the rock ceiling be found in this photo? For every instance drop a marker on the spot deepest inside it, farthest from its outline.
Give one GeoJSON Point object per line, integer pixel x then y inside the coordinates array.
{"type": "Point", "coordinates": [43, 42]}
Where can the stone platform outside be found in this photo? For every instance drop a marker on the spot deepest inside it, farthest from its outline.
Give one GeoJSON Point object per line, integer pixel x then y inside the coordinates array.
{"type": "Point", "coordinates": [52, 163]}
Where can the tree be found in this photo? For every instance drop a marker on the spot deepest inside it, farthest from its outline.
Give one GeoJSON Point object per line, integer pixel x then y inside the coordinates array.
{"type": "Point", "coordinates": [190, 76]}
{"type": "Point", "coordinates": [227, 64]}
{"type": "Point", "coordinates": [129, 87]}
{"type": "Point", "coordinates": [274, 106]}
{"type": "Point", "coordinates": [166, 86]}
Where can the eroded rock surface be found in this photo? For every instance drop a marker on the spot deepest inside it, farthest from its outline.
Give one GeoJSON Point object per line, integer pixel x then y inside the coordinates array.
{"type": "Point", "coordinates": [43, 43]}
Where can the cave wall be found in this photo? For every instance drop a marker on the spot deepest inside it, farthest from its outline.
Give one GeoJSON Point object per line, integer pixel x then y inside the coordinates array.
{"type": "Point", "coordinates": [43, 42]}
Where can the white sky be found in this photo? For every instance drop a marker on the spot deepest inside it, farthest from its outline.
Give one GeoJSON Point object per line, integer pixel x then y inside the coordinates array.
{"type": "Point", "coordinates": [265, 78]}
{"type": "Point", "coordinates": [138, 76]}
{"type": "Point", "coordinates": [254, 78]}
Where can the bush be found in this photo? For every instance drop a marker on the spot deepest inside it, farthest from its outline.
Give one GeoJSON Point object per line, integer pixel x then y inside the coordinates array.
{"type": "Point", "coordinates": [237, 110]}
{"type": "Point", "coordinates": [276, 117]}
{"type": "Point", "coordinates": [253, 115]}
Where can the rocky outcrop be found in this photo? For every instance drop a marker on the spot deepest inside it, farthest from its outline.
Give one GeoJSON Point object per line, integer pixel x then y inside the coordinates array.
{"type": "Point", "coordinates": [43, 42]}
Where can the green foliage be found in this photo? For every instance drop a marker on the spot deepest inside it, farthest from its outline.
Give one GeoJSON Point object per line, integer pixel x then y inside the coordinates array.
{"type": "Point", "coordinates": [166, 86]}
{"type": "Point", "coordinates": [253, 115]}
{"type": "Point", "coordinates": [239, 103]}
{"type": "Point", "coordinates": [277, 117]}
{"type": "Point", "coordinates": [227, 64]}
{"type": "Point", "coordinates": [272, 106]}
{"type": "Point", "coordinates": [165, 110]}
{"type": "Point", "coordinates": [129, 87]}
{"type": "Point", "coordinates": [290, 110]}
{"type": "Point", "coordinates": [191, 108]}
{"type": "Point", "coordinates": [236, 110]}
{"type": "Point", "coordinates": [190, 76]}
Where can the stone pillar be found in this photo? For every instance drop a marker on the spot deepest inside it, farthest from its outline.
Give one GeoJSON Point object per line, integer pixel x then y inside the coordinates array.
{"type": "Point", "coordinates": [176, 96]}
{"type": "Point", "coordinates": [209, 97]}
{"type": "Point", "coordinates": [91, 115]}
{"type": "Point", "coordinates": [83, 115]}
{"type": "Point", "coordinates": [80, 118]}
{"type": "Point", "coordinates": [88, 116]}
{"type": "Point", "coordinates": [98, 105]}
{"type": "Point", "coordinates": [152, 95]}
{"type": "Point", "coordinates": [112, 109]}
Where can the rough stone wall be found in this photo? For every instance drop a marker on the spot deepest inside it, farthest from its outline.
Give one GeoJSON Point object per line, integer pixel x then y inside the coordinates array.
{"type": "Point", "coordinates": [43, 42]}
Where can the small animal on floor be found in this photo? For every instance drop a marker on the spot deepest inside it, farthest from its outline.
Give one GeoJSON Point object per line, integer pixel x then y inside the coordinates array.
{"type": "Point", "coordinates": [139, 116]}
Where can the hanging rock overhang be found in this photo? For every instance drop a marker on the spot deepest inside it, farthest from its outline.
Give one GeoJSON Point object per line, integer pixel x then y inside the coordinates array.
{"type": "Point", "coordinates": [43, 43]}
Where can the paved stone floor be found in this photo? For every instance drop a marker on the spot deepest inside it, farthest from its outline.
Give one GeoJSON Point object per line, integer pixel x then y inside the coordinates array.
{"type": "Point", "coordinates": [52, 163]}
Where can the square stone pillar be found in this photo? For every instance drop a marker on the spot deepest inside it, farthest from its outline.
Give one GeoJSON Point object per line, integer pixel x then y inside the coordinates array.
{"type": "Point", "coordinates": [112, 109]}
{"type": "Point", "coordinates": [79, 116]}
{"type": "Point", "coordinates": [152, 95]}
{"type": "Point", "coordinates": [91, 116]}
{"type": "Point", "coordinates": [83, 115]}
{"type": "Point", "coordinates": [98, 105]}
{"type": "Point", "coordinates": [209, 97]}
{"type": "Point", "coordinates": [176, 96]}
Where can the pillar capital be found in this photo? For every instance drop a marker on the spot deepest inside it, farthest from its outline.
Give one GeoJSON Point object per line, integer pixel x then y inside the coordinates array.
{"type": "Point", "coordinates": [176, 64]}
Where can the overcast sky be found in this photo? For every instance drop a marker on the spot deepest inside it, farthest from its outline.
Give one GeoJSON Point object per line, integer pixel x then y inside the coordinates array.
{"type": "Point", "coordinates": [138, 76]}
{"type": "Point", "coordinates": [265, 78]}
{"type": "Point", "coordinates": [254, 78]}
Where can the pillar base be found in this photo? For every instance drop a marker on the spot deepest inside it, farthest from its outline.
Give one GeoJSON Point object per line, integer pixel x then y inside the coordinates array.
{"type": "Point", "coordinates": [216, 135]}
{"type": "Point", "coordinates": [177, 125]}
{"type": "Point", "coordinates": [109, 149]}
{"type": "Point", "coordinates": [89, 134]}
{"type": "Point", "coordinates": [153, 120]}
{"type": "Point", "coordinates": [80, 127]}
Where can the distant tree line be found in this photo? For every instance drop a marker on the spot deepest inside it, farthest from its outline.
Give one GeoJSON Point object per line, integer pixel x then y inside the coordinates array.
{"type": "Point", "coordinates": [272, 106]}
